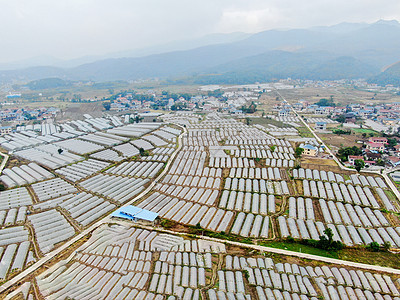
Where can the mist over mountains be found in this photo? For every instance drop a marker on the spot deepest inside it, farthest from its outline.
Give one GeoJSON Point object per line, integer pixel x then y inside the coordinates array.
{"type": "Point", "coordinates": [343, 51]}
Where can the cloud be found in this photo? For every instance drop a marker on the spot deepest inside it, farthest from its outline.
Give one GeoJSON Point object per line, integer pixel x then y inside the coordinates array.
{"type": "Point", "coordinates": [73, 28]}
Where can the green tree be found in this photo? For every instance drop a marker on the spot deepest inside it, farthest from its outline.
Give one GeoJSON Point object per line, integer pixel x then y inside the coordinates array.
{"type": "Point", "coordinates": [298, 152]}
{"type": "Point", "coordinates": [373, 246]}
{"type": "Point", "coordinates": [344, 153]}
{"type": "Point", "coordinates": [359, 164]}
{"type": "Point", "coordinates": [392, 142]}
{"type": "Point", "coordinates": [341, 118]}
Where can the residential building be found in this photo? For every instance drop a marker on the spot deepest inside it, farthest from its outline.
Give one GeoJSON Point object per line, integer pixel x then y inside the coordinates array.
{"type": "Point", "coordinates": [5, 130]}
{"type": "Point", "coordinates": [353, 158]}
{"type": "Point", "coordinates": [375, 139]}
{"type": "Point", "coordinates": [375, 146]}
{"type": "Point", "coordinates": [309, 150]}
{"type": "Point", "coordinates": [320, 126]}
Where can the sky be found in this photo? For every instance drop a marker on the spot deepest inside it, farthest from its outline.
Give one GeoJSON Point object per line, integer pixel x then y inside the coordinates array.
{"type": "Point", "coordinates": [68, 29]}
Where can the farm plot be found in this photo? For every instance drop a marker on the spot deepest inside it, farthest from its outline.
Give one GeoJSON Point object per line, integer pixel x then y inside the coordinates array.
{"type": "Point", "coordinates": [85, 208]}
{"type": "Point", "coordinates": [273, 280]}
{"type": "Point", "coordinates": [48, 155]}
{"type": "Point", "coordinates": [119, 262]}
{"type": "Point", "coordinates": [137, 169]}
{"type": "Point", "coordinates": [101, 140]}
{"type": "Point", "coordinates": [351, 224]}
{"type": "Point", "coordinates": [79, 146]}
{"type": "Point", "coordinates": [15, 251]}
{"type": "Point", "coordinates": [108, 155]}
{"type": "Point", "coordinates": [116, 188]}
{"type": "Point", "coordinates": [82, 169]}
{"type": "Point", "coordinates": [134, 130]}
{"type": "Point", "coordinates": [53, 188]}
{"type": "Point", "coordinates": [25, 174]}
{"type": "Point", "coordinates": [50, 228]}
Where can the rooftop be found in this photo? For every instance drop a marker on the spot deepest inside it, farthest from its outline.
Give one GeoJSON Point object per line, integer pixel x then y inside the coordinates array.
{"type": "Point", "coordinates": [131, 212]}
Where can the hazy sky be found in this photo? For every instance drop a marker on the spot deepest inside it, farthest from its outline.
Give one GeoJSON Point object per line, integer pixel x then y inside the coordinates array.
{"type": "Point", "coordinates": [72, 28]}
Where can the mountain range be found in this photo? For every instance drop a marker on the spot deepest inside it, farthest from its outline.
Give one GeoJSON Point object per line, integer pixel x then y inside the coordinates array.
{"type": "Point", "coordinates": [343, 51]}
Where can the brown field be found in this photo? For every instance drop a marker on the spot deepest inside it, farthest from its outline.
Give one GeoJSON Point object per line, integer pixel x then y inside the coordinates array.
{"type": "Point", "coordinates": [339, 141]}
{"type": "Point", "coordinates": [341, 95]}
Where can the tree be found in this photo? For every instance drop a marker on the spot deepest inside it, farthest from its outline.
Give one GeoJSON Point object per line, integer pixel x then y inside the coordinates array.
{"type": "Point", "coordinates": [344, 153]}
{"type": "Point", "coordinates": [326, 102]}
{"type": "Point", "coordinates": [247, 121]}
{"type": "Point", "coordinates": [359, 164]}
{"type": "Point", "coordinates": [392, 142]}
{"type": "Point", "coordinates": [326, 241]}
{"type": "Point", "coordinates": [273, 147]}
{"type": "Point", "coordinates": [341, 118]}
{"type": "Point", "coordinates": [60, 150]}
{"type": "Point", "coordinates": [364, 135]}
{"type": "Point", "coordinates": [373, 246]}
{"type": "Point", "coordinates": [107, 105]}
{"type": "Point", "coordinates": [298, 152]}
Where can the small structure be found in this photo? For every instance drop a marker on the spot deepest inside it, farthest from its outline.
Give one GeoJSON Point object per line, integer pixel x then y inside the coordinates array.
{"type": "Point", "coordinates": [135, 214]}
{"type": "Point", "coordinates": [5, 130]}
{"type": "Point", "coordinates": [353, 158]}
{"type": "Point", "coordinates": [320, 126]}
{"type": "Point", "coordinates": [309, 150]}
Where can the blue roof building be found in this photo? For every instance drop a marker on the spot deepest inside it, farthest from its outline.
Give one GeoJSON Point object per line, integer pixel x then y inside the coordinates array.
{"type": "Point", "coordinates": [134, 213]}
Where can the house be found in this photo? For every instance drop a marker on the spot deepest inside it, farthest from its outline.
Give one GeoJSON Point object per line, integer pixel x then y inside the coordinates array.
{"type": "Point", "coordinates": [309, 150]}
{"type": "Point", "coordinates": [320, 126]}
{"type": "Point", "coordinates": [319, 111]}
{"type": "Point", "coordinates": [378, 140]}
{"type": "Point", "coordinates": [135, 214]}
{"type": "Point", "coordinates": [375, 146]}
{"type": "Point", "coordinates": [353, 158]}
{"type": "Point", "coordinates": [369, 163]}
{"type": "Point", "coordinates": [393, 160]}
{"type": "Point", "coordinates": [284, 113]}
{"type": "Point", "coordinates": [5, 130]}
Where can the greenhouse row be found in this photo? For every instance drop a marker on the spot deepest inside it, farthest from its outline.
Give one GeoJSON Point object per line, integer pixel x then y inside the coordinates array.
{"type": "Point", "coordinates": [348, 235]}
{"type": "Point", "coordinates": [255, 203]}
{"type": "Point", "coordinates": [334, 177]}
{"type": "Point", "coordinates": [83, 169]}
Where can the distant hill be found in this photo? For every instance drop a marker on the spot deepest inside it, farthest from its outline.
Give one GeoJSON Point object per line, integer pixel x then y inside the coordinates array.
{"type": "Point", "coordinates": [47, 83]}
{"type": "Point", "coordinates": [390, 76]}
{"type": "Point", "coordinates": [275, 65]}
{"type": "Point", "coordinates": [343, 51]}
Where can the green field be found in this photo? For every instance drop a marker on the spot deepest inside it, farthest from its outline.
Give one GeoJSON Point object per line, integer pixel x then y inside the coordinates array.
{"type": "Point", "coordinates": [364, 130]}
{"type": "Point", "coordinates": [297, 247]}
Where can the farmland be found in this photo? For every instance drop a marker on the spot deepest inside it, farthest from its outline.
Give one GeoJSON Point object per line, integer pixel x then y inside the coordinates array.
{"type": "Point", "coordinates": [214, 176]}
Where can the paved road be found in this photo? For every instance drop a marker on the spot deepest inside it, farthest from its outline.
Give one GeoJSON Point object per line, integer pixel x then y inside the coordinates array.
{"type": "Point", "coordinates": [389, 182]}
{"type": "Point", "coordinates": [49, 256]}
